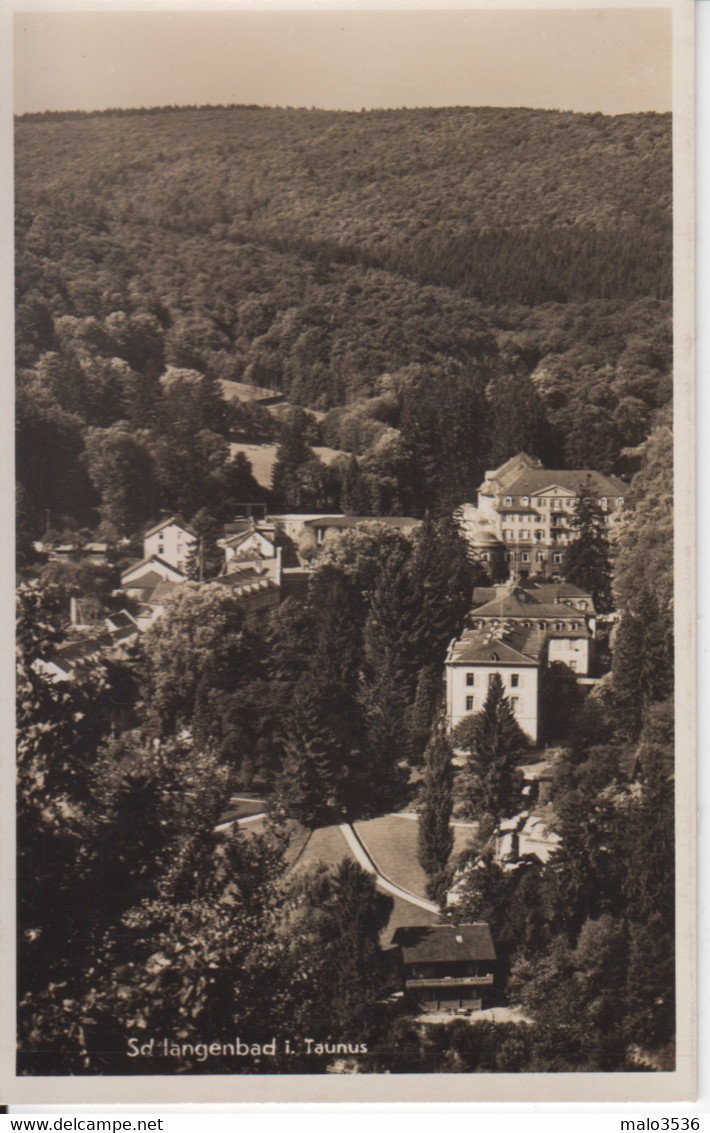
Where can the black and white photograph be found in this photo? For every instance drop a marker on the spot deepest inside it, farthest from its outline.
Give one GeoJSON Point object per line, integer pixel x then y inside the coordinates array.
{"type": "Point", "coordinates": [354, 623]}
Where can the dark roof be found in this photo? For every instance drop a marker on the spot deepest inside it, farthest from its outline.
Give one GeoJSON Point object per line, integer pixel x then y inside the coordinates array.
{"type": "Point", "coordinates": [346, 521]}
{"type": "Point", "coordinates": [147, 581]}
{"type": "Point", "coordinates": [557, 591]}
{"type": "Point", "coordinates": [427, 943]}
{"type": "Point", "coordinates": [511, 606]}
{"type": "Point", "coordinates": [146, 563]}
{"type": "Point", "coordinates": [121, 620]}
{"type": "Point", "coordinates": [538, 479]}
{"type": "Point", "coordinates": [508, 647]}
{"type": "Point", "coordinates": [507, 471]}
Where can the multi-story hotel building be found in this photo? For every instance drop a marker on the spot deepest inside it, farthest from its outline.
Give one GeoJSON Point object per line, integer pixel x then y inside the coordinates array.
{"type": "Point", "coordinates": [532, 508]}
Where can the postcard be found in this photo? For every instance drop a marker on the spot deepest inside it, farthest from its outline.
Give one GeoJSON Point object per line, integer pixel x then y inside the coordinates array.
{"type": "Point", "coordinates": [354, 554]}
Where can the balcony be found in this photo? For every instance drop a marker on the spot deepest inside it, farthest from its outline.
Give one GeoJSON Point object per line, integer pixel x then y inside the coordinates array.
{"type": "Point", "coordinates": [452, 981]}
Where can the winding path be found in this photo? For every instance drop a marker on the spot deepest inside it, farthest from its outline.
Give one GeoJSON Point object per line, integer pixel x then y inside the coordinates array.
{"type": "Point", "coordinates": [357, 847]}
{"type": "Point", "coordinates": [362, 856]}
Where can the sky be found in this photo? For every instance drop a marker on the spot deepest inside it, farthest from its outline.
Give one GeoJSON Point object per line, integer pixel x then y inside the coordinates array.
{"type": "Point", "coordinates": [609, 59]}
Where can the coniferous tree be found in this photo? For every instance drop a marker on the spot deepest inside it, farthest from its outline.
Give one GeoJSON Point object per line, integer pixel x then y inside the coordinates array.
{"type": "Point", "coordinates": [436, 838]}
{"type": "Point", "coordinates": [315, 783]}
{"type": "Point", "coordinates": [586, 562]}
{"type": "Point", "coordinates": [422, 713]}
{"type": "Point", "coordinates": [642, 663]}
{"type": "Point", "coordinates": [495, 741]}
{"type": "Point", "coordinates": [442, 579]}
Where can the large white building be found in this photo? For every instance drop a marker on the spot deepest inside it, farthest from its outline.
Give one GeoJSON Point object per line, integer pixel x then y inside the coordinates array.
{"type": "Point", "coordinates": [531, 508]}
{"type": "Point", "coordinates": [517, 656]}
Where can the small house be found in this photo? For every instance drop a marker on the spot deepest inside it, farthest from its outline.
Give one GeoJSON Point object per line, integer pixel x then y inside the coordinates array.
{"type": "Point", "coordinates": [448, 967]}
{"type": "Point", "coordinates": [171, 541]}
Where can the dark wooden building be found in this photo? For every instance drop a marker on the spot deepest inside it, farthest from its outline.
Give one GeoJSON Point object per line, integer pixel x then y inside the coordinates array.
{"type": "Point", "coordinates": [448, 966]}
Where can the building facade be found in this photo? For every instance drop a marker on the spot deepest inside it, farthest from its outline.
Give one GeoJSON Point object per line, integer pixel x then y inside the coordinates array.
{"type": "Point", "coordinates": [171, 541]}
{"type": "Point", "coordinates": [448, 967]}
{"type": "Point", "coordinates": [532, 510]}
{"type": "Point", "coordinates": [516, 655]}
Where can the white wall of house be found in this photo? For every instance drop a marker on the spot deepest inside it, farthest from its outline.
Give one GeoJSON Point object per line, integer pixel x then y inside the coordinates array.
{"type": "Point", "coordinates": [467, 688]}
{"type": "Point", "coordinates": [570, 651]}
{"type": "Point", "coordinates": [172, 543]}
{"type": "Point", "coordinates": [255, 544]}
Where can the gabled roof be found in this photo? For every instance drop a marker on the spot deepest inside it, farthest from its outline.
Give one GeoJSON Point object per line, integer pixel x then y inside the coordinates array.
{"type": "Point", "coordinates": [168, 523]}
{"type": "Point", "coordinates": [555, 591]}
{"type": "Point", "coordinates": [445, 943]}
{"type": "Point", "coordinates": [534, 480]}
{"type": "Point", "coordinates": [147, 581]}
{"type": "Point", "coordinates": [501, 477]}
{"type": "Point", "coordinates": [484, 647]}
{"type": "Point", "coordinates": [147, 563]}
{"type": "Point", "coordinates": [243, 536]}
{"type": "Point", "coordinates": [512, 606]}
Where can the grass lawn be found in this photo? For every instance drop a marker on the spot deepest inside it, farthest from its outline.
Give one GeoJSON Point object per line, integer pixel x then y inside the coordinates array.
{"type": "Point", "coordinates": [392, 844]}
{"type": "Point", "coordinates": [263, 457]}
{"type": "Point", "coordinates": [326, 844]}
{"type": "Point", "coordinates": [404, 914]}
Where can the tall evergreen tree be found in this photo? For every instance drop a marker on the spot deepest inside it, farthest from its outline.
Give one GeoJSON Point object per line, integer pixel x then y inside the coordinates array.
{"type": "Point", "coordinates": [642, 663]}
{"type": "Point", "coordinates": [315, 783]}
{"type": "Point", "coordinates": [442, 579]}
{"type": "Point", "coordinates": [494, 740]}
{"type": "Point", "coordinates": [436, 838]}
{"type": "Point", "coordinates": [586, 562]}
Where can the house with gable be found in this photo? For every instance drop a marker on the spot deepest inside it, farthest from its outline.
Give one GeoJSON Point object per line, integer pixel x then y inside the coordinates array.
{"type": "Point", "coordinates": [516, 654]}
{"type": "Point", "coordinates": [531, 509]}
{"type": "Point", "coordinates": [447, 967]}
{"type": "Point", "coordinates": [567, 621]}
{"type": "Point", "coordinates": [171, 541]}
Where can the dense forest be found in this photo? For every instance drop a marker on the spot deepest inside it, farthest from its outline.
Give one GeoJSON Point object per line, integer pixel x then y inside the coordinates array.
{"type": "Point", "coordinates": [448, 286]}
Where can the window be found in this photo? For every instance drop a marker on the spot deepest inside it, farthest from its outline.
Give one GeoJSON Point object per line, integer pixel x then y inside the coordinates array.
{"type": "Point", "coordinates": [524, 500]}
{"type": "Point", "coordinates": [161, 545]}
{"type": "Point", "coordinates": [559, 626]}
{"type": "Point", "coordinates": [507, 502]}
{"type": "Point", "coordinates": [540, 556]}
{"type": "Point", "coordinates": [514, 680]}
{"type": "Point", "coordinates": [525, 557]}
{"type": "Point", "coordinates": [556, 505]}
{"type": "Point", "coordinates": [557, 557]}
{"type": "Point", "coordinates": [619, 501]}
{"type": "Point", "coordinates": [573, 666]}
{"type": "Point", "coordinates": [507, 535]}
{"type": "Point", "coordinates": [491, 675]}
{"type": "Point", "coordinates": [524, 534]}
{"type": "Point", "coordinates": [469, 678]}
{"type": "Point", "coordinates": [603, 503]}
{"type": "Point", "coordinates": [469, 703]}
{"type": "Point", "coordinates": [542, 625]}
{"type": "Point", "coordinates": [575, 625]}
{"type": "Point", "coordinates": [539, 536]}
{"type": "Point", "coordinates": [484, 556]}
{"type": "Point", "coordinates": [514, 703]}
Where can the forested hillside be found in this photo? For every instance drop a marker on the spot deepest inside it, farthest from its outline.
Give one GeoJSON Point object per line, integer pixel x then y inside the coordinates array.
{"type": "Point", "coordinates": [513, 263]}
